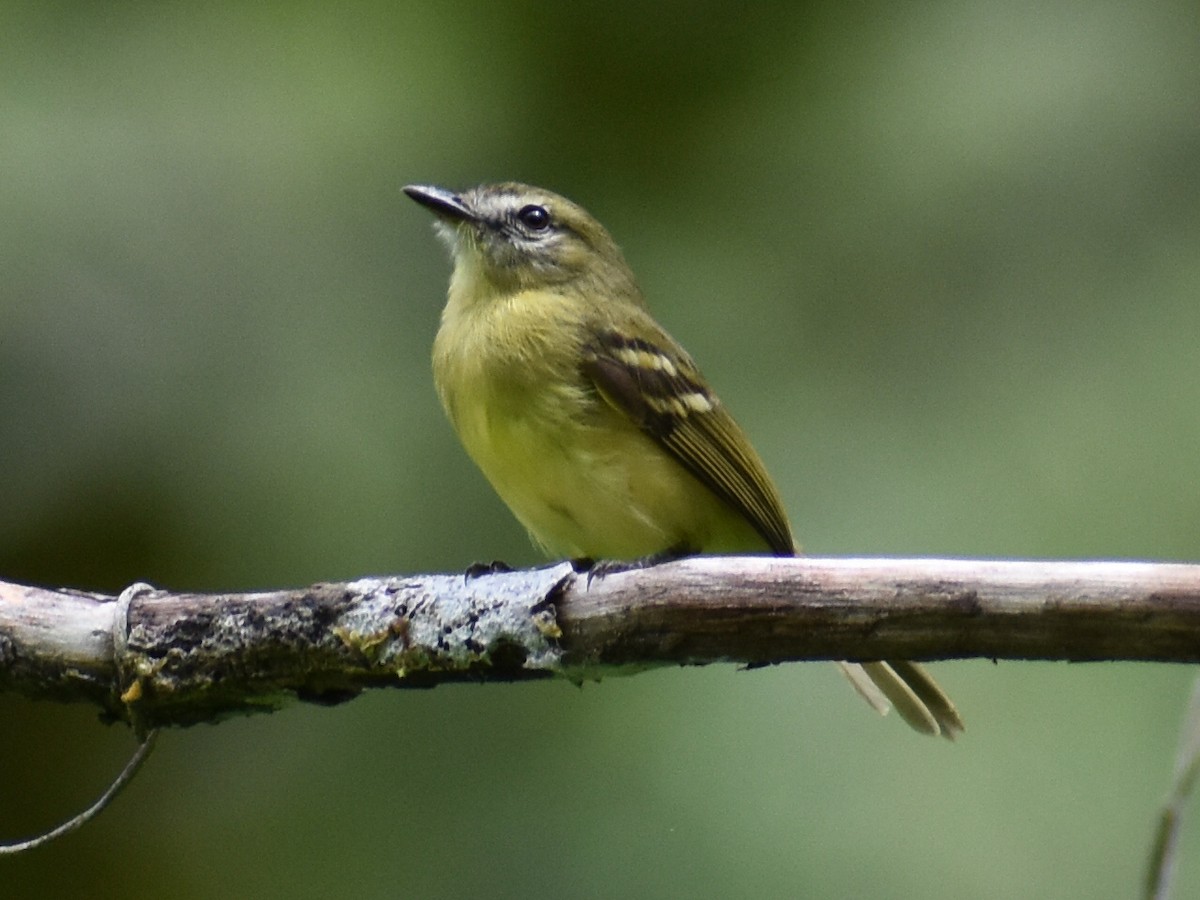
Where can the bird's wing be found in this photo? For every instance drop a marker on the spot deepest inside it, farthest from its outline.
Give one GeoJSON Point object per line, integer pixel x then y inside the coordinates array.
{"type": "Point", "coordinates": [654, 382]}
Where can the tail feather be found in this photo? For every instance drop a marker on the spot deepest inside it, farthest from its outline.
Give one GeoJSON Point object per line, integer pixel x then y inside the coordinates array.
{"type": "Point", "coordinates": [941, 706]}
{"type": "Point", "coordinates": [916, 696]}
{"type": "Point", "coordinates": [861, 682]}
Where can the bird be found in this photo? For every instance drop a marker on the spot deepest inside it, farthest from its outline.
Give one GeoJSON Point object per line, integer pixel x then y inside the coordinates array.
{"type": "Point", "coordinates": [594, 426]}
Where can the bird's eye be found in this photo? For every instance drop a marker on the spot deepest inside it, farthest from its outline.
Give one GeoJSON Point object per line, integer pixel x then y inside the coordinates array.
{"type": "Point", "coordinates": [535, 218]}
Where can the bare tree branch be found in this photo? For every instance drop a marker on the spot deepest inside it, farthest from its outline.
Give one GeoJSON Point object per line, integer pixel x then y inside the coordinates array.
{"type": "Point", "coordinates": [80, 819]}
{"type": "Point", "coordinates": [154, 658]}
{"type": "Point", "coordinates": [1163, 863]}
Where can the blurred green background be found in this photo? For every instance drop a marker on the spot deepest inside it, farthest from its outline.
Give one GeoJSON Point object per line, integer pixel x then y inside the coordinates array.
{"type": "Point", "coordinates": [940, 259]}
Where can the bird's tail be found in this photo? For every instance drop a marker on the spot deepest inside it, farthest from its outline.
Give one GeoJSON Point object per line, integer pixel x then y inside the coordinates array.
{"type": "Point", "coordinates": [908, 687]}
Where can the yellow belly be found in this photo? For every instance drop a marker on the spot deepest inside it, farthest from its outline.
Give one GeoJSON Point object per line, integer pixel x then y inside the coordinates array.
{"type": "Point", "coordinates": [606, 492]}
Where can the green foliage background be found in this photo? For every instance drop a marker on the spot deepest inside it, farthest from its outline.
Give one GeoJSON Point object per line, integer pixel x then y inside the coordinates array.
{"type": "Point", "coordinates": [940, 259]}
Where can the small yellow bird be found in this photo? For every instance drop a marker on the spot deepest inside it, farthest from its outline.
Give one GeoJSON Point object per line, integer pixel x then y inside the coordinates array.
{"type": "Point", "coordinates": [590, 421]}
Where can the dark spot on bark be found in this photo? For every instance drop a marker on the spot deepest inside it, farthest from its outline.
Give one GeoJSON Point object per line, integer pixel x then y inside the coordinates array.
{"type": "Point", "coordinates": [507, 657]}
{"type": "Point", "coordinates": [966, 603]}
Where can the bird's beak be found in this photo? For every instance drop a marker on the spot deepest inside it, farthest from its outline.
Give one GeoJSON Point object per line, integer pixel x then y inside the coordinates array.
{"type": "Point", "coordinates": [446, 204]}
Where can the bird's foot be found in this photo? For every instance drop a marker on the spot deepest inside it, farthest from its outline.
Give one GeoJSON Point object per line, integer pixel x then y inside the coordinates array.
{"type": "Point", "coordinates": [479, 569]}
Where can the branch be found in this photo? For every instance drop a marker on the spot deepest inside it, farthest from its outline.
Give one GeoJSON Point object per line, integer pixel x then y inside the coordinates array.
{"type": "Point", "coordinates": [154, 658]}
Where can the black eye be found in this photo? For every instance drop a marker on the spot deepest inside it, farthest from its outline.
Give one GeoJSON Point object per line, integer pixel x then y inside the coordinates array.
{"type": "Point", "coordinates": [535, 218]}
